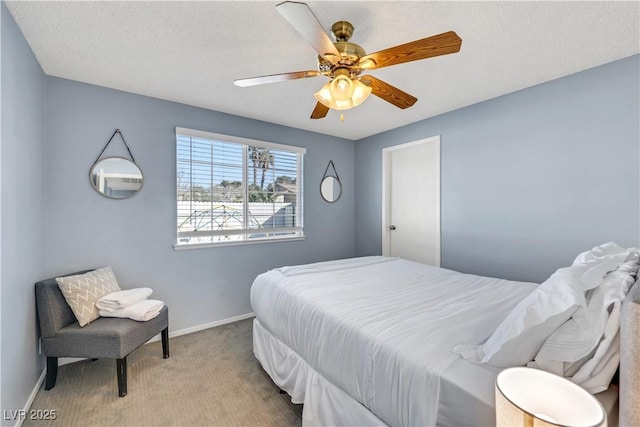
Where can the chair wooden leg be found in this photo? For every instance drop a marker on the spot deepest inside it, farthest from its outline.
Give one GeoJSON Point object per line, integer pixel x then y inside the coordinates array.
{"type": "Point", "coordinates": [121, 367]}
{"type": "Point", "coordinates": [52, 373]}
{"type": "Point", "coordinates": [165, 342]}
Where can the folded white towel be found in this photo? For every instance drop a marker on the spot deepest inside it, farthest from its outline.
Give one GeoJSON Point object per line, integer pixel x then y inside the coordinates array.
{"type": "Point", "coordinates": [140, 311]}
{"type": "Point", "coordinates": [122, 299]}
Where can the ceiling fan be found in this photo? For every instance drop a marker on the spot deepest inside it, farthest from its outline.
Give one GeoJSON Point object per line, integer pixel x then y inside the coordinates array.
{"type": "Point", "coordinates": [345, 62]}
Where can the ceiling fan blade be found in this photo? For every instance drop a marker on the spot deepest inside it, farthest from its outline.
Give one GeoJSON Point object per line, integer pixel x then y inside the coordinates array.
{"type": "Point", "coordinates": [300, 17]}
{"type": "Point", "coordinates": [320, 112]}
{"type": "Point", "coordinates": [275, 78]}
{"type": "Point", "coordinates": [441, 44]}
{"type": "Point", "coordinates": [389, 93]}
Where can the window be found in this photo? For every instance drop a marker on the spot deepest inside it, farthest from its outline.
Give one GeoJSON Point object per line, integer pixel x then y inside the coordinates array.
{"type": "Point", "coordinates": [233, 190]}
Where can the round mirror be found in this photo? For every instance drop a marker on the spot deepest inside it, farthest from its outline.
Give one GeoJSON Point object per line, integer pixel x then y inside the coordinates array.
{"type": "Point", "coordinates": [116, 177]}
{"type": "Point", "coordinates": [330, 188]}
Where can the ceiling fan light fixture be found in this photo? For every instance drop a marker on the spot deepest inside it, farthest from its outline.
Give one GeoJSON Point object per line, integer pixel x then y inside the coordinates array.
{"type": "Point", "coordinates": [324, 97]}
{"type": "Point", "coordinates": [343, 91]}
{"type": "Point", "coordinates": [341, 87]}
{"type": "Point", "coordinates": [360, 92]}
{"type": "Point", "coordinates": [343, 105]}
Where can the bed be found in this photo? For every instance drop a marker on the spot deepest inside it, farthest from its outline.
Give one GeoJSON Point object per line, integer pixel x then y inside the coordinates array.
{"type": "Point", "coordinates": [368, 341]}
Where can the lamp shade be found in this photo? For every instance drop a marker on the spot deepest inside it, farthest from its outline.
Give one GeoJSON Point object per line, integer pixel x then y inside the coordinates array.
{"type": "Point", "coordinates": [357, 91]}
{"type": "Point", "coordinates": [360, 92]}
{"type": "Point", "coordinates": [531, 397]}
{"type": "Point", "coordinates": [341, 88]}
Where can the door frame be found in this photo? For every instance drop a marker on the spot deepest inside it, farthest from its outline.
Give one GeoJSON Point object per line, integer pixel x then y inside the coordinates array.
{"type": "Point", "coordinates": [386, 191]}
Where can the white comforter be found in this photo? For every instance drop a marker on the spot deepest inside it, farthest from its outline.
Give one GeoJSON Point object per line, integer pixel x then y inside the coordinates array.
{"type": "Point", "coordinates": [381, 329]}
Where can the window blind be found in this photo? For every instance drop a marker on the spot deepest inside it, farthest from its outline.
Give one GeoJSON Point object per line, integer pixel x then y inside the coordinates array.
{"type": "Point", "coordinates": [234, 190]}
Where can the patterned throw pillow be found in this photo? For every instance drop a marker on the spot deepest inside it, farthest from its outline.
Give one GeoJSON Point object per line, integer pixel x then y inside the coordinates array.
{"type": "Point", "coordinates": [83, 290]}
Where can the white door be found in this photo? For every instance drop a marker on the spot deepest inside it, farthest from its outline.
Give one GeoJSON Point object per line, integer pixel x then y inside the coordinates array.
{"type": "Point", "coordinates": [411, 201]}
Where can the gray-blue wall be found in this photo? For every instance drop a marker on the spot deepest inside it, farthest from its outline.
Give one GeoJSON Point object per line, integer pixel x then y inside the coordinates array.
{"type": "Point", "coordinates": [136, 235]}
{"type": "Point", "coordinates": [22, 202]}
{"type": "Point", "coordinates": [528, 179]}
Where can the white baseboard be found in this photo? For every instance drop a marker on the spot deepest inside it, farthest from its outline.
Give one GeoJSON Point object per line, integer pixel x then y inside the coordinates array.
{"type": "Point", "coordinates": [32, 396]}
{"type": "Point", "coordinates": [197, 328]}
{"type": "Point", "coordinates": [204, 326]}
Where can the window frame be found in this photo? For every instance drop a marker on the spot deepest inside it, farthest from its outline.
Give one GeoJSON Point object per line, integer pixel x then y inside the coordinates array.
{"type": "Point", "coordinates": [245, 143]}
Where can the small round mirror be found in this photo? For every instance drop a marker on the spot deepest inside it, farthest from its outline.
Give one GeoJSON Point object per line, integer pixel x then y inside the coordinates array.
{"type": "Point", "coordinates": [116, 177]}
{"type": "Point", "coordinates": [330, 189]}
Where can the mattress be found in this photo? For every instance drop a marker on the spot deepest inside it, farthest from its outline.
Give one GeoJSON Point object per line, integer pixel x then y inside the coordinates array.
{"type": "Point", "coordinates": [381, 330]}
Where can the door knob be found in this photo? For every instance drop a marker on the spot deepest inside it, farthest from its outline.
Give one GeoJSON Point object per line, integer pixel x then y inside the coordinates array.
{"type": "Point", "coordinates": [392, 227]}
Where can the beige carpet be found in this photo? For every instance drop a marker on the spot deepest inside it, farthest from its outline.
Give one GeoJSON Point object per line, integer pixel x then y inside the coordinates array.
{"type": "Point", "coordinates": [211, 379]}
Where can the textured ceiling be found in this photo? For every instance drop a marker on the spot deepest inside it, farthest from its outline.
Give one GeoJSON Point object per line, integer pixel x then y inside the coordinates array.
{"type": "Point", "coordinates": [191, 52]}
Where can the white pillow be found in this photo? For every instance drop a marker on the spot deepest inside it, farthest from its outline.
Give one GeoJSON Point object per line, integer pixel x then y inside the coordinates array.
{"type": "Point", "coordinates": [596, 373]}
{"type": "Point", "coordinates": [598, 252]}
{"type": "Point", "coordinates": [581, 338]}
{"type": "Point", "coordinates": [521, 334]}
{"type": "Point", "coordinates": [579, 335]}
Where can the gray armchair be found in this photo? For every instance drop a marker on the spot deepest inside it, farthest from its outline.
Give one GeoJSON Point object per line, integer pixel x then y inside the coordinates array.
{"type": "Point", "coordinates": [105, 337]}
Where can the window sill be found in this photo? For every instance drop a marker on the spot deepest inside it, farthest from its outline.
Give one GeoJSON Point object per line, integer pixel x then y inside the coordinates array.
{"type": "Point", "coordinates": [187, 246]}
